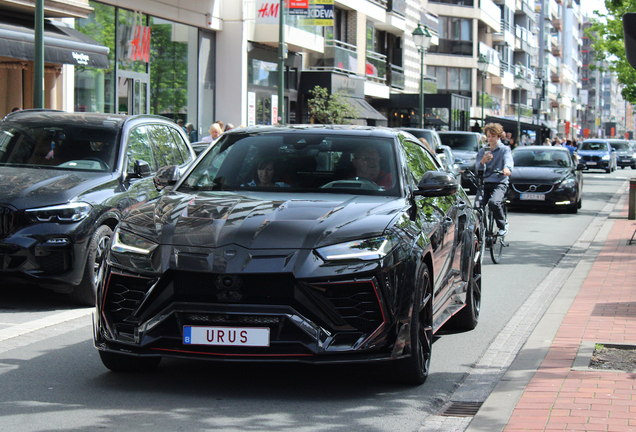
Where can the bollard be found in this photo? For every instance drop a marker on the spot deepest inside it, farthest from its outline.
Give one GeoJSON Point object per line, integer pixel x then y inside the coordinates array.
{"type": "Point", "coordinates": [631, 213]}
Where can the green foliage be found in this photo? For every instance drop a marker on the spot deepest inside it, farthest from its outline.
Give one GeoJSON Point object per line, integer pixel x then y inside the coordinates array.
{"type": "Point", "coordinates": [329, 109]}
{"type": "Point", "coordinates": [606, 34]}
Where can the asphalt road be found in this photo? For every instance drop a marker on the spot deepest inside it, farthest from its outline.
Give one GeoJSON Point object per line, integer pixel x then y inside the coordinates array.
{"type": "Point", "coordinates": [53, 379]}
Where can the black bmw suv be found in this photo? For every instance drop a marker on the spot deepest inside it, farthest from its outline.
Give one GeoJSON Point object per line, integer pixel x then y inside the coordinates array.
{"type": "Point", "coordinates": [67, 179]}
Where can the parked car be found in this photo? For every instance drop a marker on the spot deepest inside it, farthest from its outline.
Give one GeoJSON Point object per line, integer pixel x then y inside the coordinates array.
{"type": "Point", "coordinates": [447, 159]}
{"type": "Point", "coordinates": [465, 146]}
{"type": "Point", "coordinates": [67, 180]}
{"type": "Point", "coordinates": [597, 154]}
{"type": "Point", "coordinates": [324, 266]}
{"type": "Point", "coordinates": [625, 153]}
{"type": "Point", "coordinates": [431, 136]}
{"type": "Point", "coordinates": [545, 177]}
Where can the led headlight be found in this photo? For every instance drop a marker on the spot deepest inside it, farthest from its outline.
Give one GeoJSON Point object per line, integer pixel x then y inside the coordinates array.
{"type": "Point", "coordinates": [568, 183]}
{"type": "Point", "coordinates": [366, 250]}
{"type": "Point", "coordinates": [127, 242]}
{"type": "Point", "coordinates": [606, 157]}
{"type": "Point", "coordinates": [71, 212]}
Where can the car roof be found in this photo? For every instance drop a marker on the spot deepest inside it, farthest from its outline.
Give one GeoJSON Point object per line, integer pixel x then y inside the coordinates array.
{"type": "Point", "coordinates": [599, 140]}
{"type": "Point", "coordinates": [458, 132]}
{"type": "Point", "coordinates": [378, 131]}
{"type": "Point", "coordinates": [90, 119]}
{"type": "Point", "coordinates": [540, 147]}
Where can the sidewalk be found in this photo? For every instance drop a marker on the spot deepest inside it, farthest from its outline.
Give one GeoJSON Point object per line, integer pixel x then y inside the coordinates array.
{"type": "Point", "coordinates": [564, 393]}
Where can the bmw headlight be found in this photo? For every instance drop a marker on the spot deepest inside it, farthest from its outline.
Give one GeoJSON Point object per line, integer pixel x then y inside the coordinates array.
{"type": "Point", "coordinates": [606, 157]}
{"type": "Point", "coordinates": [68, 213]}
{"type": "Point", "coordinates": [366, 250]}
{"type": "Point", "coordinates": [127, 242]}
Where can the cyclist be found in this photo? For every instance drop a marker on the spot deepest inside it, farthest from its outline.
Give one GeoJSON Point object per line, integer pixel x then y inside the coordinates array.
{"type": "Point", "coordinates": [496, 157]}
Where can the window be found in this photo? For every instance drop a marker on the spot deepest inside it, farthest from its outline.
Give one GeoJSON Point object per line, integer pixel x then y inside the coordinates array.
{"type": "Point", "coordinates": [166, 150]}
{"type": "Point", "coordinates": [139, 149]}
{"type": "Point", "coordinates": [455, 36]}
{"type": "Point", "coordinates": [454, 80]}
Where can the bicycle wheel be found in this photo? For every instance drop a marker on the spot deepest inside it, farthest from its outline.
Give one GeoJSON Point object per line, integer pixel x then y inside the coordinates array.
{"type": "Point", "coordinates": [496, 243]}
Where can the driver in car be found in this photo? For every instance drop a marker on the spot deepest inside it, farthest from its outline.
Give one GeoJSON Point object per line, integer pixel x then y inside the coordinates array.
{"type": "Point", "coordinates": [366, 161]}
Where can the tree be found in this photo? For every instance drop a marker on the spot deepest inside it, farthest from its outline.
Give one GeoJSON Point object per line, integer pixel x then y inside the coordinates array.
{"type": "Point", "coordinates": [329, 109]}
{"type": "Point", "coordinates": [606, 34]}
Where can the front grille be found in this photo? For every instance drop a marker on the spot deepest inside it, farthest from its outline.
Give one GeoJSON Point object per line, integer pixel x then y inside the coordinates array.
{"type": "Point", "coordinates": [7, 220]}
{"type": "Point", "coordinates": [232, 319]}
{"type": "Point", "coordinates": [532, 188]}
{"type": "Point", "coordinates": [591, 158]}
{"type": "Point", "coordinates": [125, 293]}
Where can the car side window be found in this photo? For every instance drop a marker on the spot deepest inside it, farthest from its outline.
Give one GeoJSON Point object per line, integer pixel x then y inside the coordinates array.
{"type": "Point", "coordinates": [139, 149]}
{"type": "Point", "coordinates": [164, 146]}
{"type": "Point", "coordinates": [418, 159]}
{"type": "Point", "coordinates": [182, 147]}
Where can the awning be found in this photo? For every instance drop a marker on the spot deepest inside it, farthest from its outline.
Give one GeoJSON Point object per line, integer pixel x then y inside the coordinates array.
{"type": "Point", "coordinates": [62, 44]}
{"type": "Point", "coordinates": [364, 109]}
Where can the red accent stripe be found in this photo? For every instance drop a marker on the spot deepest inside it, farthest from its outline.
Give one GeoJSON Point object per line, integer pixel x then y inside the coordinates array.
{"type": "Point", "coordinates": [234, 355]}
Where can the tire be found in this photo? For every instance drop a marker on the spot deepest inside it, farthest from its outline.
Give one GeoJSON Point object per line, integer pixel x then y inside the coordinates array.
{"type": "Point", "coordinates": [579, 203]}
{"type": "Point", "coordinates": [468, 317]}
{"type": "Point", "coordinates": [86, 292]}
{"type": "Point", "coordinates": [608, 170]}
{"type": "Point", "coordinates": [414, 369]}
{"type": "Point", "coordinates": [496, 249]}
{"type": "Point", "coordinates": [128, 363]}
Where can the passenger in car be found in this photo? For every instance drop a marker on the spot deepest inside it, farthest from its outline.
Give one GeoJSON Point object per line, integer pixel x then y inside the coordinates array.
{"type": "Point", "coordinates": [366, 161]}
{"type": "Point", "coordinates": [265, 174]}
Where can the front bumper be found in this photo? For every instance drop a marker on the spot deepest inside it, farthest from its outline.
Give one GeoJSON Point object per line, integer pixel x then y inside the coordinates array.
{"type": "Point", "coordinates": [50, 255]}
{"type": "Point", "coordinates": [309, 321]}
{"type": "Point", "coordinates": [546, 196]}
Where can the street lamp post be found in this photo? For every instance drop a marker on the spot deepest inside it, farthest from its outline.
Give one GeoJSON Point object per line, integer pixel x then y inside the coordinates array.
{"type": "Point", "coordinates": [483, 67]}
{"type": "Point", "coordinates": [422, 40]}
{"type": "Point", "coordinates": [519, 80]}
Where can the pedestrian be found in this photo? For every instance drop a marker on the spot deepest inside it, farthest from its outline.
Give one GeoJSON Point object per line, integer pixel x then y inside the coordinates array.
{"type": "Point", "coordinates": [181, 123]}
{"type": "Point", "coordinates": [221, 124]}
{"type": "Point", "coordinates": [228, 127]}
{"type": "Point", "coordinates": [215, 131]}
{"type": "Point", "coordinates": [547, 142]}
{"type": "Point", "coordinates": [192, 133]}
{"type": "Point", "coordinates": [504, 138]}
{"type": "Point", "coordinates": [16, 109]}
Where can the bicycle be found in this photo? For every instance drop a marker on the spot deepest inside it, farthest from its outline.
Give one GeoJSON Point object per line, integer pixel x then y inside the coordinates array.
{"type": "Point", "coordinates": [489, 232]}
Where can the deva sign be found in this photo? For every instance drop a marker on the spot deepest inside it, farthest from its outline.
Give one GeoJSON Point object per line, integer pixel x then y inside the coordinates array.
{"type": "Point", "coordinates": [319, 13]}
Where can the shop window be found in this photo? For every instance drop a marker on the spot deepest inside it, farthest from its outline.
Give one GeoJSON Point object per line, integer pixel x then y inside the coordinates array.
{"type": "Point", "coordinates": [95, 88]}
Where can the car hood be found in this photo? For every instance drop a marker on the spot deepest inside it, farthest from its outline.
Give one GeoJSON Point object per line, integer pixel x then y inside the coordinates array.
{"type": "Point", "coordinates": [464, 154]}
{"type": "Point", "coordinates": [624, 152]}
{"type": "Point", "coordinates": [538, 175]}
{"type": "Point", "coordinates": [29, 187]}
{"type": "Point", "coordinates": [262, 221]}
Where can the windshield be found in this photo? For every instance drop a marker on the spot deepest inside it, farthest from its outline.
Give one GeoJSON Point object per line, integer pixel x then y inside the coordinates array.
{"type": "Point", "coordinates": [298, 162]}
{"type": "Point", "coordinates": [462, 142]}
{"type": "Point", "coordinates": [541, 158]}
{"type": "Point", "coordinates": [597, 146]}
{"type": "Point", "coordinates": [59, 146]}
{"type": "Point", "coordinates": [620, 145]}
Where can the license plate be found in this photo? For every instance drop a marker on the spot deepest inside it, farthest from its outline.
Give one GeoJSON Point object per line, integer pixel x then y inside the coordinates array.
{"type": "Point", "coordinates": [591, 163]}
{"type": "Point", "coordinates": [226, 336]}
{"type": "Point", "coordinates": [533, 197]}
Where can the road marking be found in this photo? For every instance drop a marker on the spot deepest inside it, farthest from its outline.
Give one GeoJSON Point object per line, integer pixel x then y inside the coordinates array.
{"type": "Point", "coordinates": [31, 326]}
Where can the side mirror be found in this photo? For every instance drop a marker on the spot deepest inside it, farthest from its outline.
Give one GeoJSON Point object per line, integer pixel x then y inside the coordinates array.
{"type": "Point", "coordinates": [580, 166]}
{"type": "Point", "coordinates": [437, 183]}
{"type": "Point", "coordinates": [166, 176]}
{"type": "Point", "coordinates": [629, 34]}
{"type": "Point", "coordinates": [142, 168]}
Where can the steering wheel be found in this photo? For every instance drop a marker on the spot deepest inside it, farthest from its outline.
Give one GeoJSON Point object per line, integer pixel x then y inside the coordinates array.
{"type": "Point", "coordinates": [354, 183]}
{"type": "Point", "coordinates": [102, 164]}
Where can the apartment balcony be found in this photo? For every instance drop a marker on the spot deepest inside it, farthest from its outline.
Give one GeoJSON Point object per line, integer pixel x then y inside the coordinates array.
{"type": "Point", "coordinates": [396, 77]}
{"type": "Point", "coordinates": [338, 56]}
{"type": "Point", "coordinates": [559, 2]}
{"type": "Point", "coordinates": [555, 78]}
{"type": "Point", "coordinates": [397, 6]}
{"type": "Point", "coordinates": [376, 67]}
{"type": "Point", "coordinates": [512, 110]}
{"type": "Point", "coordinates": [505, 34]}
{"type": "Point", "coordinates": [381, 3]}
{"type": "Point", "coordinates": [557, 24]}
{"type": "Point", "coordinates": [556, 51]}
{"type": "Point", "coordinates": [566, 74]}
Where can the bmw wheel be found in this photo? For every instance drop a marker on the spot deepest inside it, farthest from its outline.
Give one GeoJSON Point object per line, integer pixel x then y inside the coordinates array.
{"type": "Point", "coordinates": [86, 292]}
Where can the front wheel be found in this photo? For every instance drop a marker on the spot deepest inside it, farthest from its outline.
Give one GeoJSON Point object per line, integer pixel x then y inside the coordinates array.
{"type": "Point", "coordinates": [414, 369]}
{"type": "Point", "coordinates": [86, 292]}
{"type": "Point", "coordinates": [496, 249]}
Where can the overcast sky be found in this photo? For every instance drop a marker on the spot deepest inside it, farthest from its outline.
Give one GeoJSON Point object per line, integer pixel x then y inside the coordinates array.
{"type": "Point", "coordinates": [589, 6]}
